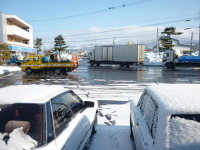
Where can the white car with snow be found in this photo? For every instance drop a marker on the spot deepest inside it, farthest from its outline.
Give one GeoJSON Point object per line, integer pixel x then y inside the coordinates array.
{"type": "Point", "coordinates": [166, 117]}
{"type": "Point", "coordinates": [54, 117]}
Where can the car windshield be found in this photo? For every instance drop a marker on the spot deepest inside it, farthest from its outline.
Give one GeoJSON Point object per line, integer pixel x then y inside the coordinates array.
{"type": "Point", "coordinates": [28, 116]}
{"type": "Point", "coordinates": [184, 132]}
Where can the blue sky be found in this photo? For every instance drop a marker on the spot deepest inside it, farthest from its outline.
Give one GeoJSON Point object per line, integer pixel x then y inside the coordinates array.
{"type": "Point", "coordinates": [134, 14]}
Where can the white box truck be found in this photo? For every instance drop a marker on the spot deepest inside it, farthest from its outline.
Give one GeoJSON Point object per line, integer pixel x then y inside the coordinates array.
{"type": "Point", "coordinates": [124, 55]}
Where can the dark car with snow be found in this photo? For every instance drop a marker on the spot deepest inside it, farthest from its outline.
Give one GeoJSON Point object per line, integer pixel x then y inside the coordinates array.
{"type": "Point", "coordinates": [45, 117]}
{"type": "Point", "coordinates": [166, 117]}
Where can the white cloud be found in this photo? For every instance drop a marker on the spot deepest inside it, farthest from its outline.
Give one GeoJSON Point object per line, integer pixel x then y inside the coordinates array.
{"type": "Point", "coordinates": [119, 35]}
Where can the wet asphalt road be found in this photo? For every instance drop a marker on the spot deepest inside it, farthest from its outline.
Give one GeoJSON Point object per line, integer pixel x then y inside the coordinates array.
{"type": "Point", "coordinates": [87, 75]}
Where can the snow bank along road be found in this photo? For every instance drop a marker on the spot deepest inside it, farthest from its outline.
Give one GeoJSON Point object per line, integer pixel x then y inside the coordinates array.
{"type": "Point", "coordinates": [7, 69]}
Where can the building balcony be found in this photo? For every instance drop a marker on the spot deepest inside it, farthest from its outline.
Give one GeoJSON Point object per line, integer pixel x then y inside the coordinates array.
{"type": "Point", "coordinates": [13, 30]}
{"type": "Point", "coordinates": [19, 44]}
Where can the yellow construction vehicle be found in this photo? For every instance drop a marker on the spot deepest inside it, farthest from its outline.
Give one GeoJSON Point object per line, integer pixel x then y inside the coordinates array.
{"type": "Point", "coordinates": [39, 63]}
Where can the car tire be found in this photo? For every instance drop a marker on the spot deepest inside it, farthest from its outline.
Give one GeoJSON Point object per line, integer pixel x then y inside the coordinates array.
{"type": "Point", "coordinates": [131, 131]}
{"type": "Point", "coordinates": [29, 70]}
{"type": "Point", "coordinates": [94, 128]}
{"type": "Point", "coordinates": [57, 71]}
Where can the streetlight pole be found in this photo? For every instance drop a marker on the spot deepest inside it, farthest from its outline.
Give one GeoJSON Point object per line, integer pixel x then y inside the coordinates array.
{"type": "Point", "coordinates": [113, 40]}
{"type": "Point", "coordinates": [199, 33]}
{"type": "Point", "coordinates": [157, 48]}
{"type": "Point", "coordinates": [191, 43]}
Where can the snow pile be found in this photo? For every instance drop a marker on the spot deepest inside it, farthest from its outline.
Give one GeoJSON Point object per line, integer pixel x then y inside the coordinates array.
{"type": "Point", "coordinates": [153, 59]}
{"type": "Point", "coordinates": [184, 134]}
{"type": "Point", "coordinates": [66, 56]}
{"type": "Point", "coordinates": [2, 142]}
{"type": "Point", "coordinates": [18, 141]}
{"type": "Point", "coordinates": [195, 53]}
{"type": "Point", "coordinates": [7, 69]}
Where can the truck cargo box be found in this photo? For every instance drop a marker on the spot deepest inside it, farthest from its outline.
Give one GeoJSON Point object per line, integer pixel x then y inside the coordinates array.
{"type": "Point", "coordinates": [117, 54]}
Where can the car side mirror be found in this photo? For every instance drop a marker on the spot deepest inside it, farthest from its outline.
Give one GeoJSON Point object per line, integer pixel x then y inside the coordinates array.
{"type": "Point", "coordinates": [89, 104]}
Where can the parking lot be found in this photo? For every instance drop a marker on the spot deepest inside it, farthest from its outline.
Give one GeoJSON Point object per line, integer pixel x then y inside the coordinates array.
{"type": "Point", "coordinates": [113, 87]}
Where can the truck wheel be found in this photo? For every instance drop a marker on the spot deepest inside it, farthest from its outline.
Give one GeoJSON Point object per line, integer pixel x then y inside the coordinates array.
{"type": "Point", "coordinates": [91, 63]}
{"type": "Point", "coordinates": [168, 65]}
{"type": "Point", "coordinates": [127, 65]}
{"type": "Point", "coordinates": [28, 70]}
{"type": "Point", "coordinates": [122, 64]}
{"type": "Point", "coordinates": [57, 71]}
{"type": "Point", "coordinates": [64, 71]}
{"type": "Point", "coordinates": [173, 66]}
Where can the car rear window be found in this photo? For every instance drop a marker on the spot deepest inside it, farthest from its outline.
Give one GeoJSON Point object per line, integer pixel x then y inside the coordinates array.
{"type": "Point", "coordinates": [184, 132]}
{"type": "Point", "coordinates": [18, 114]}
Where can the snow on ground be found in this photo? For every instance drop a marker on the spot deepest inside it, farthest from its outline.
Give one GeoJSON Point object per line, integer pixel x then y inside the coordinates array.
{"type": "Point", "coordinates": [7, 69]}
{"type": "Point", "coordinates": [113, 130]}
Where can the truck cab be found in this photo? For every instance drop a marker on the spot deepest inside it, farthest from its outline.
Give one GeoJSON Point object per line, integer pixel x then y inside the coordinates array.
{"type": "Point", "coordinates": [91, 57]}
{"type": "Point", "coordinates": [169, 59]}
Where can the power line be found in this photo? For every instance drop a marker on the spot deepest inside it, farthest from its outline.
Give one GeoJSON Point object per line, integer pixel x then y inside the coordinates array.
{"type": "Point", "coordinates": [94, 12]}
{"type": "Point", "coordinates": [128, 28]}
{"type": "Point", "coordinates": [130, 22]}
{"type": "Point", "coordinates": [138, 35]}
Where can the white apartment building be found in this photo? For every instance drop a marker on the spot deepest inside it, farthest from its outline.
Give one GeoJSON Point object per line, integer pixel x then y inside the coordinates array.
{"type": "Point", "coordinates": [17, 34]}
{"type": "Point", "coordinates": [180, 49]}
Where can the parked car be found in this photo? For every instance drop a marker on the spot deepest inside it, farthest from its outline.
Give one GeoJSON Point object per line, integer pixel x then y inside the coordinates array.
{"type": "Point", "coordinates": [54, 116]}
{"type": "Point", "coordinates": [166, 117]}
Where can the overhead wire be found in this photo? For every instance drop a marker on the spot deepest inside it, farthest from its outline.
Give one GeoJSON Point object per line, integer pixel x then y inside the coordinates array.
{"type": "Point", "coordinates": [122, 29]}
{"type": "Point", "coordinates": [93, 12]}
{"type": "Point", "coordinates": [97, 39]}
{"type": "Point", "coordinates": [158, 19]}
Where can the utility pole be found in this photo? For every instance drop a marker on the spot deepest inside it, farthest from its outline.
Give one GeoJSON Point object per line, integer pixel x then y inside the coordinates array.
{"type": "Point", "coordinates": [191, 43]}
{"type": "Point", "coordinates": [199, 32]}
{"type": "Point", "coordinates": [157, 48]}
{"type": "Point", "coordinates": [44, 45]}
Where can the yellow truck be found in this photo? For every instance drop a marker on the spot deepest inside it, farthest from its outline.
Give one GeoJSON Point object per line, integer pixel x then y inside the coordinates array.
{"type": "Point", "coordinates": [39, 63]}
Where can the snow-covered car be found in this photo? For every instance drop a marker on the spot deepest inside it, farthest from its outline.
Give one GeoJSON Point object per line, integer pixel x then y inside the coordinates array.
{"type": "Point", "coordinates": [52, 116]}
{"type": "Point", "coordinates": [166, 117]}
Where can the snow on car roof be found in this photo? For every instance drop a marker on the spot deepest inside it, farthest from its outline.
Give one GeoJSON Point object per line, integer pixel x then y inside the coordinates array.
{"type": "Point", "coordinates": [177, 98]}
{"type": "Point", "coordinates": [29, 93]}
